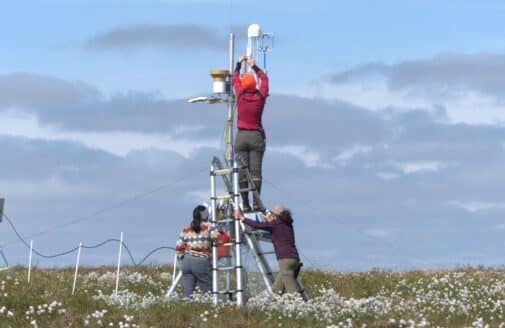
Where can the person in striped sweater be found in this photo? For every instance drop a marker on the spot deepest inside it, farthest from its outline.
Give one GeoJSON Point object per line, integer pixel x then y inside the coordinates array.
{"type": "Point", "coordinates": [193, 250]}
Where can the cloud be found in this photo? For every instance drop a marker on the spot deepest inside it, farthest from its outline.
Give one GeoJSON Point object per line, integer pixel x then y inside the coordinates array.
{"type": "Point", "coordinates": [378, 233]}
{"type": "Point", "coordinates": [79, 106]}
{"type": "Point", "coordinates": [302, 153]}
{"type": "Point", "coordinates": [499, 227]}
{"type": "Point", "coordinates": [41, 91]}
{"type": "Point", "coordinates": [117, 143]}
{"type": "Point", "coordinates": [387, 175]}
{"type": "Point", "coordinates": [54, 189]}
{"type": "Point", "coordinates": [186, 36]}
{"type": "Point", "coordinates": [347, 154]}
{"type": "Point", "coordinates": [478, 206]}
{"type": "Point", "coordinates": [440, 74]}
{"type": "Point", "coordinates": [413, 167]}
{"type": "Point", "coordinates": [464, 88]}
{"type": "Point", "coordinates": [198, 196]}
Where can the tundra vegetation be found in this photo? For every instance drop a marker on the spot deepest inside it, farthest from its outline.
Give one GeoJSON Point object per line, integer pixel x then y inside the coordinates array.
{"type": "Point", "coordinates": [463, 297]}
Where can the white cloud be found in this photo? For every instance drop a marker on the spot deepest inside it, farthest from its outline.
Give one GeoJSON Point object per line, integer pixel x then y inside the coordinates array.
{"type": "Point", "coordinates": [183, 129]}
{"type": "Point", "coordinates": [347, 154]}
{"type": "Point", "coordinates": [462, 105]}
{"type": "Point", "coordinates": [387, 175]}
{"type": "Point", "coordinates": [478, 206]}
{"type": "Point", "coordinates": [52, 188]}
{"type": "Point", "coordinates": [197, 196]}
{"type": "Point", "coordinates": [499, 227]}
{"type": "Point", "coordinates": [413, 167]}
{"type": "Point", "coordinates": [308, 157]}
{"type": "Point", "coordinates": [378, 233]}
{"type": "Point", "coordinates": [117, 143]}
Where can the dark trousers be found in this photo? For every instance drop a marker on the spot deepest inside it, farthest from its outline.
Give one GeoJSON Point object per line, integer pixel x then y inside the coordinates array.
{"type": "Point", "coordinates": [250, 145]}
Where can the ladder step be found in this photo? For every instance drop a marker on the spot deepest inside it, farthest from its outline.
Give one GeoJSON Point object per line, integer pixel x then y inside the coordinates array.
{"type": "Point", "coordinates": [225, 268]}
{"type": "Point", "coordinates": [223, 171]}
{"type": "Point", "coordinates": [225, 220]}
{"type": "Point", "coordinates": [247, 189]}
{"type": "Point", "coordinates": [226, 245]}
{"type": "Point", "coordinates": [225, 292]}
{"type": "Point", "coordinates": [227, 196]}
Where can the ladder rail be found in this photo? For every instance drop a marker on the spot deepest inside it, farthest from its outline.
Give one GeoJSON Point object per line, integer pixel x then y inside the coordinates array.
{"type": "Point", "coordinates": [238, 239]}
{"type": "Point", "coordinates": [250, 180]}
{"type": "Point", "coordinates": [215, 286]}
{"type": "Point", "coordinates": [261, 262]}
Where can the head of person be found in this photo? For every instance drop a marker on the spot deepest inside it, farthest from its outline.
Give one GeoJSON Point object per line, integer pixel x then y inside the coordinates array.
{"type": "Point", "coordinates": [200, 214]}
{"type": "Point", "coordinates": [248, 82]}
{"type": "Point", "coordinates": [279, 212]}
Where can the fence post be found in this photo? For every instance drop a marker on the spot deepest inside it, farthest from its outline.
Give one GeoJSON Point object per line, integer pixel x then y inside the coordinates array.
{"type": "Point", "coordinates": [118, 263]}
{"type": "Point", "coordinates": [76, 267]}
{"type": "Point", "coordinates": [30, 261]}
{"type": "Point", "coordinates": [5, 260]}
{"type": "Point", "coordinates": [175, 267]}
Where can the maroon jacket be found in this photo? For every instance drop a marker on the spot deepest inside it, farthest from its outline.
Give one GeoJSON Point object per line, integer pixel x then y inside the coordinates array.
{"type": "Point", "coordinates": [250, 102]}
{"type": "Point", "coordinates": [283, 236]}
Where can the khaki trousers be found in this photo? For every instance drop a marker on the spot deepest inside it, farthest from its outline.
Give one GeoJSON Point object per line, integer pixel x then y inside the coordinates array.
{"type": "Point", "coordinates": [286, 278]}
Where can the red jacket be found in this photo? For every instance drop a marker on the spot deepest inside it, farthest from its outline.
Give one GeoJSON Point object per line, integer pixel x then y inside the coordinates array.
{"type": "Point", "coordinates": [224, 238]}
{"type": "Point", "coordinates": [250, 102]}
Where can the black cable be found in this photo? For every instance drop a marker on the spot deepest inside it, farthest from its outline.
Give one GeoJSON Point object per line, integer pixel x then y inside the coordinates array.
{"type": "Point", "coordinates": [100, 244]}
{"type": "Point", "coordinates": [154, 251]}
{"type": "Point", "coordinates": [132, 259]}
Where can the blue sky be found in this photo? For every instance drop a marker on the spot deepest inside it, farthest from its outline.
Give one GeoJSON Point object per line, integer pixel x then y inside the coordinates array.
{"type": "Point", "coordinates": [385, 125]}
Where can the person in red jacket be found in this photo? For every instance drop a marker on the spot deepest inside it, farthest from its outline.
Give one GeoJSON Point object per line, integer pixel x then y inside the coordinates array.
{"type": "Point", "coordinates": [250, 142]}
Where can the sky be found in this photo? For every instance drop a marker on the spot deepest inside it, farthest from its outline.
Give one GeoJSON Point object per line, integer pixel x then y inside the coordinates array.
{"type": "Point", "coordinates": [385, 126]}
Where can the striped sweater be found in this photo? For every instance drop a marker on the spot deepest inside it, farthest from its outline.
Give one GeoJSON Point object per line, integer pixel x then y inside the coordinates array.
{"type": "Point", "coordinates": [196, 244]}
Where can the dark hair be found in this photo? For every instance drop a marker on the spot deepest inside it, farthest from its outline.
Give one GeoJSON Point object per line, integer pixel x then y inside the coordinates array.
{"type": "Point", "coordinates": [197, 218]}
{"type": "Point", "coordinates": [285, 216]}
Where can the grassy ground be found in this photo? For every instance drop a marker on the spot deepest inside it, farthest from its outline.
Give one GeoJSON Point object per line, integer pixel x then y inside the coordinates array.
{"type": "Point", "coordinates": [455, 298]}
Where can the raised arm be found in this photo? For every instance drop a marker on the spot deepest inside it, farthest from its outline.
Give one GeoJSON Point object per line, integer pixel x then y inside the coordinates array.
{"type": "Point", "coordinates": [261, 75]}
{"type": "Point", "coordinates": [236, 76]}
{"type": "Point", "coordinates": [264, 81]}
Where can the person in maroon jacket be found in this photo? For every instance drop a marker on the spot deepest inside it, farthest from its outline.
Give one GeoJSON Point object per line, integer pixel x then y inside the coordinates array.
{"type": "Point", "coordinates": [279, 222]}
{"type": "Point", "coordinates": [250, 142]}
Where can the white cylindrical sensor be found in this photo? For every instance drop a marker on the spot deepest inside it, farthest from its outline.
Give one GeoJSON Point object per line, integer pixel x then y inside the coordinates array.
{"type": "Point", "coordinates": [219, 80]}
{"type": "Point", "coordinates": [254, 31]}
{"type": "Point", "coordinates": [219, 87]}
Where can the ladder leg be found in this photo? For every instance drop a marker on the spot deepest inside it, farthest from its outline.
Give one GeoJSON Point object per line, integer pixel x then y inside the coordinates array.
{"type": "Point", "coordinates": [174, 284]}
{"type": "Point", "coordinates": [215, 272]}
{"type": "Point", "coordinates": [228, 277]}
{"type": "Point", "coordinates": [238, 255]}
